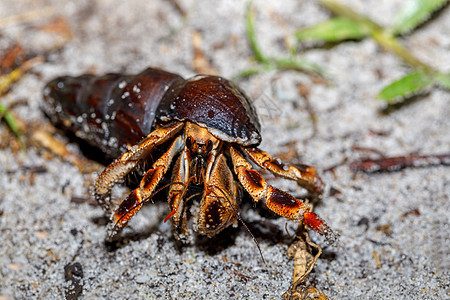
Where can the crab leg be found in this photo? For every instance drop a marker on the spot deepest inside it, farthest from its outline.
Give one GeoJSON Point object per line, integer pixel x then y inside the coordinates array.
{"type": "Point", "coordinates": [178, 188]}
{"type": "Point", "coordinates": [278, 201]}
{"type": "Point", "coordinates": [129, 160]}
{"type": "Point", "coordinates": [305, 175]}
{"type": "Point", "coordinates": [143, 193]}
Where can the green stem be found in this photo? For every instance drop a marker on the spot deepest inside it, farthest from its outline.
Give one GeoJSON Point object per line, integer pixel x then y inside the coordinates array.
{"type": "Point", "coordinates": [251, 35]}
{"type": "Point", "coordinates": [342, 10]}
{"type": "Point", "coordinates": [389, 42]}
{"type": "Point", "coordinates": [9, 119]}
{"type": "Point", "coordinates": [382, 36]}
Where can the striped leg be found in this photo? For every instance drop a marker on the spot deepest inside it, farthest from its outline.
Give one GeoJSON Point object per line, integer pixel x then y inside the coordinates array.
{"type": "Point", "coordinates": [128, 161]}
{"type": "Point", "coordinates": [278, 201]}
{"type": "Point", "coordinates": [305, 175]}
{"type": "Point", "coordinates": [143, 193]}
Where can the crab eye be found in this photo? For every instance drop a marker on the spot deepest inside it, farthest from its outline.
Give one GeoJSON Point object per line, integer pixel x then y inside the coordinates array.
{"type": "Point", "coordinates": [209, 145]}
{"type": "Point", "coordinates": [189, 142]}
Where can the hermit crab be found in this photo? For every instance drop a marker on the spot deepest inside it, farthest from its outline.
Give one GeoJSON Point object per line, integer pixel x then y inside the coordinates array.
{"type": "Point", "coordinates": [198, 133]}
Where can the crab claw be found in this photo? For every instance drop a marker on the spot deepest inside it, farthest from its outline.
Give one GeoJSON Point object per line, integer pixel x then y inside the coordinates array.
{"type": "Point", "coordinates": [311, 220]}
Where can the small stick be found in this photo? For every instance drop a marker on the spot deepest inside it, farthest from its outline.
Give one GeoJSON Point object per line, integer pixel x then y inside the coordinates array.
{"type": "Point", "coordinates": [31, 15]}
{"type": "Point", "coordinates": [395, 163]}
{"type": "Point", "coordinates": [7, 80]}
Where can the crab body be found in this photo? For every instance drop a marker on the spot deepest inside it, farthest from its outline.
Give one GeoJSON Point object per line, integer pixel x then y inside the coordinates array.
{"type": "Point", "coordinates": [209, 131]}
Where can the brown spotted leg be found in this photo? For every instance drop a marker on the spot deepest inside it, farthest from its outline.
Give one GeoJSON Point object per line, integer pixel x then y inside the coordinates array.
{"type": "Point", "coordinates": [218, 208]}
{"type": "Point", "coordinates": [143, 193]}
{"type": "Point", "coordinates": [305, 175]}
{"type": "Point", "coordinates": [278, 201]}
{"type": "Point", "coordinates": [128, 161]}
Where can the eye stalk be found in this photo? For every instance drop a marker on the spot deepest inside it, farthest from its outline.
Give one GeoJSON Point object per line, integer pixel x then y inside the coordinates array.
{"type": "Point", "coordinates": [209, 146]}
{"type": "Point", "coordinates": [198, 150]}
{"type": "Point", "coordinates": [191, 144]}
{"type": "Point", "coordinates": [200, 145]}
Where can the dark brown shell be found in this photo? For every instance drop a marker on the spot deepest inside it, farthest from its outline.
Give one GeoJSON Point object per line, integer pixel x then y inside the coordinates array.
{"type": "Point", "coordinates": [115, 111]}
{"type": "Point", "coordinates": [112, 111]}
{"type": "Point", "coordinates": [215, 103]}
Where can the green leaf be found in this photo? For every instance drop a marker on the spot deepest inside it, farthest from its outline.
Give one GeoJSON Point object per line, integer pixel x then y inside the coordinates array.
{"type": "Point", "coordinates": [443, 80]}
{"type": "Point", "coordinates": [334, 30]}
{"type": "Point", "coordinates": [414, 13]}
{"type": "Point", "coordinates": [411, 84]}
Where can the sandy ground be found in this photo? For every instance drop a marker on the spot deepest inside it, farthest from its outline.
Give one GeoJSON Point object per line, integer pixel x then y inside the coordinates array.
{"type": "Point", "coordinates": [394, 227]}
